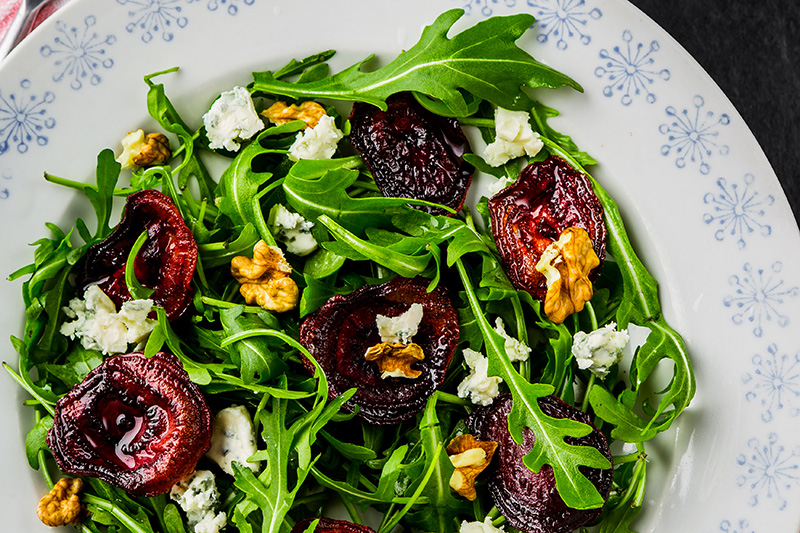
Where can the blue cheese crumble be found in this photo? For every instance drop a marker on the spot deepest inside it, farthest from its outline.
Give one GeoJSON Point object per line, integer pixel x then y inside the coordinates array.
{"type": "Point", "coordinates": [233, 439]}
{"type": "Point", "coordinates": [480, 527]}
{"type": "Point", "coordinates": [96, 322]}
{"type": "Point", "coordinates": [231, 120]}
{"type": "Point", "coordinates": [198, 496]}
{"type": "Point", "coordinates": [514, 138]}
{"type": "Point", "coordinates": [599, 350]}
{"type": "Point", "coordinates": [516, 350]}
{"type": "Point", "coordinates": [293, 230]}
{"type": "Point", "coordinates": [402, 328]}
{"type": "Point", "coordinates": [318, 142]}
{"type": "Point", "coordinates": [478, 386]}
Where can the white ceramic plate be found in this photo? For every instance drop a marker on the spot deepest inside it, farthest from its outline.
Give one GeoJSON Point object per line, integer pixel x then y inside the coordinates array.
{"type": "Point", "coordinates": [703, 206]}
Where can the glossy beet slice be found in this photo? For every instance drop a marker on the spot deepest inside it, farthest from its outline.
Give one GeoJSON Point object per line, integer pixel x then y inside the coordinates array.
{"type": "Point", "coordinates": [329, 525]}
{"type": "Point", "coordinates": [529, 215]}
{"type": "Point", "coordinates": [413, 153]}
{"type": "Point", "coordinates": [138, 423]}
{"type": "Point", "coordinates": [165, 262]}
{"type": "Point", "coordinates": [339, 333]}
{"type": "Point", "coordinates": [529, 501]}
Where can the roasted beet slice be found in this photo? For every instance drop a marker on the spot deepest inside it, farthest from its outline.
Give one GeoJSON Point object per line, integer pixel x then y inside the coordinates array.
{"type": "Point", "coordinates": [529, 501]}
{"type": "Point", "coordinates": [329, 525]}
{"type": "Point", "coordinates": [339, 333]}
{"type": "Point", "coordinates": [529, 215]}
{"type": "Point", "coordinates": [165, 262]}
{"type": "Point", "coordinates": [138, 423]}
{"type": "Point", "coordinates": [413, 153]}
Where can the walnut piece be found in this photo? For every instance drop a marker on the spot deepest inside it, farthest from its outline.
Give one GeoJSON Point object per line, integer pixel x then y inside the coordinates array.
{"type": "Point", "coordinates": [309, 112]}
{"type": "Point", "coordinates": [139, 150]}
{"type": "Point", "coordinates": [469, 457]}
{"type": "Point", "coordinates": [265, 279]}
{"type": "Point", "coordinates": [61, 506]}
{"type": "Point", "coordinates": [395, 360]}
{"type": "Point", "coordinates": [566, 264]}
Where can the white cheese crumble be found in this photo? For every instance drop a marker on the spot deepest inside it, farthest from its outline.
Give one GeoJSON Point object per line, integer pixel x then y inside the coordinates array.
{"type": "Point", "coordinates": [198, 496]}
{"type": "Point", "coordinates": [100, 327]}
{"type": "Point", "coordinates": [498, 186]}
{"type": "Point", "coordinates": [231, 119]}
{"type": "Point", "coordinates": [599, 350]}
{"type": "Point", "coordinates": [233, 439]}
{"type": "Point", "coordinates": [318, 142]}
{"type": "Point", "coordinates": [478, 386]}
{"type": "Point", "coordinates": [131, 144]}
{"type": "Point", "coordinates": [293, 230]}
{"type": "Point", "coordinates": [480, 527]}
{"type": "Point", "coordinates": [400, 329]}
{"type": "Point", "coordinates": [514, 137]}
{"type": "Point", "coordinates": [516, 350]}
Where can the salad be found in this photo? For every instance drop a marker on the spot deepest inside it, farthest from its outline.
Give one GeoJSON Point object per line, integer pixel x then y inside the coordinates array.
{"type": "Point", "coordinates": [313, 324]}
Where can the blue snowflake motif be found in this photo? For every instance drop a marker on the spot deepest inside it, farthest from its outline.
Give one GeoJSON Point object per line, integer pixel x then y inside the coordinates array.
{"type": "Point", "coordinates": [23, 119]}
{"type": "Point", "coordinates": [155, 17]}
{"type": "Point", "coordinates": [631, 69]}
{"type": "Point", "coordinates": [562, 20]}
{"type": "Point", "coordinates": [769, 471]}
{"type": "Point", "coordinates": [692, 135]}
{"type": "Point", "coordinates": [232, 6]}
{"type": "Point", "coordinates": [774, 382]}
{"type": "Point", "coordinates": [485, 6]}
{"type": "Point", "coordinates": [758, 294]}
{"type": "Point", "coordinates": [735, 212]}
{"type": "Point", "coordinates": [4, 192]}
{"type": "Point", "coordinates": [79, 53]}
{"type": "Point", "coordinates": [741, 527]}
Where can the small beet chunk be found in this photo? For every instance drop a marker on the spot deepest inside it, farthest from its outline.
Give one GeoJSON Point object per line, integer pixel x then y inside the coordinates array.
{"type": "Point", "coordinates": [339, 333]}
{"type": "Point", "coordinates": [529, 215]}
{"type": "Point", "coordinates": [166, 261]}
{"type": "Point", "coordinates": [329, 525]}
{"type": "Point", "coordinates": [137, 423]}
{"type": "Point", "coordinates": [413, 153]}
{"type": "Point", "coordinates": [528, 500]}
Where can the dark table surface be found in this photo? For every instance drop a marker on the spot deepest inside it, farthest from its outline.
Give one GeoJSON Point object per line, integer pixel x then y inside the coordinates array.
{"type": "Point", "coordinates": [751, 48]}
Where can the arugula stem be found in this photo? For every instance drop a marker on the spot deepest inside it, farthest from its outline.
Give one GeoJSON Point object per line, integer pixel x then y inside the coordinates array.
{"type": "Point", "coordinates": [452, 399]}
{"type": "Point", "coordinates": [477, 122]}
{"type": "Point", "coordinates": [22, 383]}
{"type": "Point", "coordinates": [592, 315]}
{"type": "Point", "coordinates": [72, 184]}
{"type": "Point", "coordinates": [213, 302]}
{"type": "Point", "coordinates": [585, 403]}
{"type": "Point", "coordinates": [115, 511]}
{"type": "Point", "coordinates": [499, 521]}
{"type": "Point", "coordinates": [493, 513]}
{"type": "Point", "coordinates": [366, 185]}
{"type": "Point", "coordinates": [137, 290]}
{"type": "Point", "coordinates": [355, 516]}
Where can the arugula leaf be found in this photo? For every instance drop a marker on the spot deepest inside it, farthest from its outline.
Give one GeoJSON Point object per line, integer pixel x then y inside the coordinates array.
{"type": "Point", "coordinates": [102, 196]}
{"type": "Point", "coordinates": [36, 441]}
{"type": "Point", "coordinates": [540, 113]}
{"type": "Point", "coordinates": [254, 355]}
{"type": "Point", "coordinates": [482, 60]}
{"type": "Point", "coordinates": [549, 447]}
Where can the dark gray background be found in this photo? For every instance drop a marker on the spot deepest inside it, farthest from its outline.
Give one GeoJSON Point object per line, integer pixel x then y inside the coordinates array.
{"type": "Point", "coordinates": [752, 50]}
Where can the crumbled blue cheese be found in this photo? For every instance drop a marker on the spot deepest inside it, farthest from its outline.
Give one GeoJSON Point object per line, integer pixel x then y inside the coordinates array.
{"type": "Point", "coordinates": [499, 185]}
{"type": "Point", "coordinates": [293, 230]}
{"type": "Point", "coordinates": [514, 137]}
{"type": "Point", "coordinates": [198, 496]}
{"type": "Point", "coordinates": [131, 144]}
{"type": "Point", "coordinates": [599, 350]}
{"type": "Point", "coordinates": [231, 120]}
{"type": "Point", "coordinates": [480, 527]}
{"type": "Point", "coordinates": [318, 142]}
{"type": "Point", "coordinates": [516, 350]}
{"type": "Point", "coordinates": [400, 329]}
{"type": "Point", "coordinates": [99, 326]}
{"type": "Point", "coordinates": [233, 439]}
{"type": "Point", "coordinates": [478, 386]}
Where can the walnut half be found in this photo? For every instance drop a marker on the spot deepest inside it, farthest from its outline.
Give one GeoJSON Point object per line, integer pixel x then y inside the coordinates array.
{"type": "Point", "coordinates": [309, 112]}
{"type": "Point", "coordinates": [265, 279]}
{"type": "Point", "coordinates": [470, 457]}
{"type": "Point", "coordinates": [61, 506]}
{"type": "Point", "coordinates": [395, 360]}
{"type": "Point", "coordinates": [566, 264]}
{"type": "Point", "coordinates": [140, 150]}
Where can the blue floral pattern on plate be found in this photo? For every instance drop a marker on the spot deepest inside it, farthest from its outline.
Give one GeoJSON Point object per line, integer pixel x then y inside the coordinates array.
{"type": "Point", "coordinates": [692, 135]}
{"type": "Point", "coordinates": [79, 54]}
{"type": "Point", "coordinates": [563, 20]}
{"type": "Point", "coordinates": [485, 7]}
{"type": "Point", "coordinates": [4, 191]}
{"type": "Point", "coordinates": [155, 18]}
{"type": "Point", "coordinates": [770, 471]}
{"type": "Point", "coordinates": [759, 295]}
{"type": "Point", "coordinates": [24, 118]}
{"type": "Point", "coordinates": [737, 212]}
{"type": "Point", "coordinates": [742, 526]}
{"type": "Point", "coordinates": [230, 6]}
{"type": "Point", "coordinates": [774, 383]}
{"type": "Point", "coordinates": [631, 69]}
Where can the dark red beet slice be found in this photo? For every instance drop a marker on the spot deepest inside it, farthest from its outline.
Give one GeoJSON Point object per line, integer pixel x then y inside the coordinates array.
{"type": "Point", "coordinates": [140, 424]}
{"type": "Point", "coordinates": [165, 262]}
{"type": "Point", "coordinates": [413, 153]}
{"type": "Point", "coordinates": [339, 333]}
{"type": "Point", "coordinates": [529, 215]}
{"type": "Point", "coordinates": [529, 501]}
{"type": "Point", "coordinates": [329, 525]}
